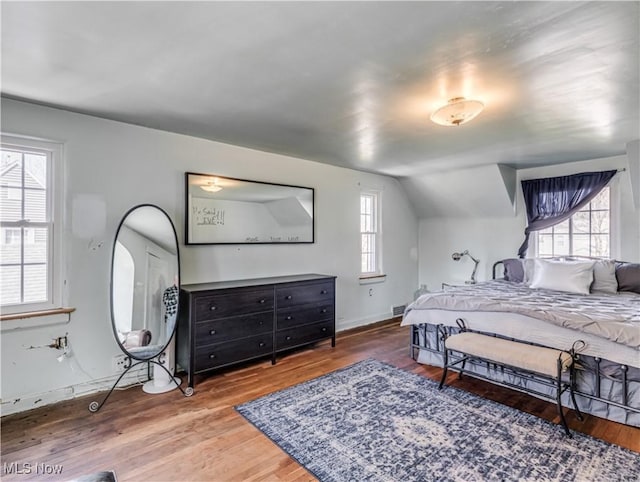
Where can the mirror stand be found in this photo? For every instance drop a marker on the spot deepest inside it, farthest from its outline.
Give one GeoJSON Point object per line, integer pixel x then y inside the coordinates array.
{"type": "Point", "coordinates": [95, 406]}
{"type": "Point", "coordinates": [144, 297]}
{"type": "Point", "coordinates": [160, 382]}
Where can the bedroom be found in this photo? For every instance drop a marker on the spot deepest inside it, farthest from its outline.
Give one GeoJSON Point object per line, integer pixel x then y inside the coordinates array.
{"type": "Point", "coordinates": [440, 192]}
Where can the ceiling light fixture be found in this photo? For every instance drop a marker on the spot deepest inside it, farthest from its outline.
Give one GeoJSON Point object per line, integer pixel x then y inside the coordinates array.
{"type": "Point", "coordinates": [457, 111]}
{"type": "Point", "coordinates": [212, 186]}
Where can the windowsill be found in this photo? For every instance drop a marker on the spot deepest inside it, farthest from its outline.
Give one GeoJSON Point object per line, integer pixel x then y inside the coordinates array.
{"type": "Point", "coordinates": [35, 314]}
{"type": "Point", "coordinates": [371, 279]}
{"type": "Point", "coordinates": [33, 319]}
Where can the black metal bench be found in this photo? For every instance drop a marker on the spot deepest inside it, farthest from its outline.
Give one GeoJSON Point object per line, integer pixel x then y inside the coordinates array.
{"type": "Point", "coordinates": [520, 358]}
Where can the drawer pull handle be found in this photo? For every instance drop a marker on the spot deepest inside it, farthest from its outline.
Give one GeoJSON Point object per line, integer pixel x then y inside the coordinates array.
{"type": "Point", "coordinates": [212, 308]}
{"type": "Point", "coordinates": [289, 318]}
{"type": "Point", "coordinates": [262, 302]}
{"type": "Point", "coordinates": [324, 310]}
{"type": "Point", "coordinates": [288, 297]}
{"type": "Point", "coordinates": [324, 328]}
{"type": "Point", "coordinates": [323, 292]}
{"type": "Point", "coordinates": [261, 344]}
{"type": "Point", "coordinates": [288, 338]}
{"type": "Point", "coordinates": [212, 356]}
{"type": "Point", "coordinates": [261, 323]}
{"type": "Point", "coordinates": [212, 332]}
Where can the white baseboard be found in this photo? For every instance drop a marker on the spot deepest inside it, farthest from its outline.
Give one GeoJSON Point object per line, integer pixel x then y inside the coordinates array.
{"type": "Point", "coordinates": [29, 402]}
{"type": "Point", "coordinates": [37, 400]}
{"type": "Point", "coordinates": [349, 324]}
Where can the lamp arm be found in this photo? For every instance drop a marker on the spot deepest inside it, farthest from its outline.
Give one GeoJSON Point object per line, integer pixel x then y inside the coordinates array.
{"type": "Point", "coordinates": [458, 256]}
{"type": "Point", "coordinates": [475, 267]}
{"type": "Point", "coordinates": [474, 259]}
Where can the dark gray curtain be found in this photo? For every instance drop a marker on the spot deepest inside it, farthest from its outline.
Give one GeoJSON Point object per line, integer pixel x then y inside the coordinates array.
{"type": "Point", "coordinates": [552, 200]}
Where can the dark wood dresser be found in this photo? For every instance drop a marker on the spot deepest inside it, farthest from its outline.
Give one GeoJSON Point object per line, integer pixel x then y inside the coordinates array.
{"type": "Point", "coordinates": [229, 322]}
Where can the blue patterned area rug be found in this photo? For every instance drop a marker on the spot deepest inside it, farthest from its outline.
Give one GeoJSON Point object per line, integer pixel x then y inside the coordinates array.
{"type": "Point", "coordinates": [372, 421]}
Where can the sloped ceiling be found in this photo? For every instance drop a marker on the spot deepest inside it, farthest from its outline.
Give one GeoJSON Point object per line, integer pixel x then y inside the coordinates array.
{"type": "Point", "coordinates": [484, 191]}
{"type": "Point", "coordinates": [345, 83]}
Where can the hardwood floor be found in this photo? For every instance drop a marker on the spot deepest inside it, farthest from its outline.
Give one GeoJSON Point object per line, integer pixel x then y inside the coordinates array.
{"type": "Point", "coordinates": [170, 437]}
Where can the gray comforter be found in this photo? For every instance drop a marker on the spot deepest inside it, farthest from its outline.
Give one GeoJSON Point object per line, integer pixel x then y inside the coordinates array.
{"type": "Point", "coordinates": [615, 317]}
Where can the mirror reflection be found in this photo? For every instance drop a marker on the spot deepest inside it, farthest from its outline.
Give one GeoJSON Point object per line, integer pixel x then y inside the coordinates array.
{"type": "Point", "coordinates": [222, 210]}
{"type": "Point", "coordinates": [145, 282]}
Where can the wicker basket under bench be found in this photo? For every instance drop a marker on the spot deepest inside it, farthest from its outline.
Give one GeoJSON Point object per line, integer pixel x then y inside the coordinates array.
{"type": "Point", "coordinates": [547, 365]}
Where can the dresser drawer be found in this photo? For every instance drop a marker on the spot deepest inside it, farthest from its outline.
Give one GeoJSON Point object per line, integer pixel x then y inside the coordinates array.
{"type": "Point", "coordinates": [225, 323]}
{"type": "Point", "coordinates": [233, 304]}
{"type": "Point", "coordinates": [304, 334]}
{"type": "Point", "coordinates": [227, 329]}
{"type": "Point", "coordinates": [303, 294]}
{"type": "Point", "coordinates": [304, 315]}
{"type": "Point", "coordinates": [213, 356]}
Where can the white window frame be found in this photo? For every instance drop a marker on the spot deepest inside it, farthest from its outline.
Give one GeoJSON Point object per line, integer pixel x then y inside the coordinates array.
{"type": "Point", "coordinates": [614, 221]}
{"type": "Point", "coordinates": [55, 199]}
{"type": "Point", "coordinates": [376, 232]}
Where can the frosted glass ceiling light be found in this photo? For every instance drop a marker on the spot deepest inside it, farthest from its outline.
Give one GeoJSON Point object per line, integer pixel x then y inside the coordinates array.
{"type": "Point", "coordinates": [457, 111]}
{"type": "Point", "coordinates": [212, 186]}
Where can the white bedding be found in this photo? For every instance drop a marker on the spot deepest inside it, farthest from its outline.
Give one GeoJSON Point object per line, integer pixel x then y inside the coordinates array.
{"type": "Point", "coordinates": [608, 323]}
{"type": "Point", "coordinates": [526, 328]}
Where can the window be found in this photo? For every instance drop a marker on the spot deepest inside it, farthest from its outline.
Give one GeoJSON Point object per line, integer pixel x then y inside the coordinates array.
{"type": "Point", "coordinates": [586, 233]}
{"type": "Point", "coordinates": [27, 225]}
{"type": "Point", "coordinates": [370, 245]}
{"type": "Point", "coordinates": [15, 236]}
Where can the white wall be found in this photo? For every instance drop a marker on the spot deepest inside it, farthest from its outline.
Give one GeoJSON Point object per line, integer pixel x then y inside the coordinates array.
{"type": "Point", "coordinates": [490, 239]}
{"type": "Point", "coordinates": [116, 166]}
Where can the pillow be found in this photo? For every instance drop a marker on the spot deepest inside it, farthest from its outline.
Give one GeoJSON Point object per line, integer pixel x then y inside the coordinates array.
{"type": "Point", "coordinates": [604, 276]}
{"type": "Point", "coordinates": [513, 270]}
{"type": "Point", "coordinates": [528, 266]}
{"type": "Point", "coordinates": [628, 276]}
{"type": "Point", "coordinates": [571, 277]}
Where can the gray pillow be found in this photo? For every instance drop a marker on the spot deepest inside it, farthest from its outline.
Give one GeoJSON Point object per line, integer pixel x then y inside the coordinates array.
{"type": "Point", "coordinates": [513, 270]}
{"type": "Point", "coordinates": [604, 276]}
{"type": "Point", "coordinates": [628, 276]}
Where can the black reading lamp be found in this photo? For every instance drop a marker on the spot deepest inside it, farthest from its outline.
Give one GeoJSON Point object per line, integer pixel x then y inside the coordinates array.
{"type": "Point", "coordinates": [458, 256]}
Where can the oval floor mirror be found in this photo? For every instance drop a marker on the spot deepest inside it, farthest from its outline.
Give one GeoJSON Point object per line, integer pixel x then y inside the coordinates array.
{"type": "Point", "coordinates": [145, 287]}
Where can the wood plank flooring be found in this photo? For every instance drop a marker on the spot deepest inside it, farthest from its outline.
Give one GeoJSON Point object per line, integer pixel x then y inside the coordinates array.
{"type": "Point", "coordinates": [169, 437]}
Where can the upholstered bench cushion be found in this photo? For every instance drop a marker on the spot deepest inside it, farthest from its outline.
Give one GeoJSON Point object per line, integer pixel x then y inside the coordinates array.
{"type": "Point", "coordinates": [520, 355]}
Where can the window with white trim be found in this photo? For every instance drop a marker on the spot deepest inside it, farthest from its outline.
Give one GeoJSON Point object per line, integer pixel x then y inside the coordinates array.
{"type": "Point", "coordinates": [370, 236]}
{"type": "Point", "coordinates": [586, 233]}
{"type": "Point", "coordinates": [28, 269]}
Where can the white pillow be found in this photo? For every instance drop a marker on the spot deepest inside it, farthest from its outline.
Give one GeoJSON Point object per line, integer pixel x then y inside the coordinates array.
{"type": "Point", "coordinates": [604, 276]}
{"type": "Point", "coordinates": [528, 265]}
{"type": "Point", "coordinates": [572, 277]}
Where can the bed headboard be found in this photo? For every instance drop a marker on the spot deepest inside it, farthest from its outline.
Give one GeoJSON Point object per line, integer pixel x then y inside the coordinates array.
{"type": "Point", "coordinates": [495, 265]}
{"type": "Point", "coordinates": [505, 262]}
{"type": "Point", "coordinates": [627, 274]}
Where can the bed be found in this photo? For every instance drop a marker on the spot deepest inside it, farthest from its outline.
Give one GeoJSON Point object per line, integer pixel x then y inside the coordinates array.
{"type": "Point", "coordinates": [553, 313]}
